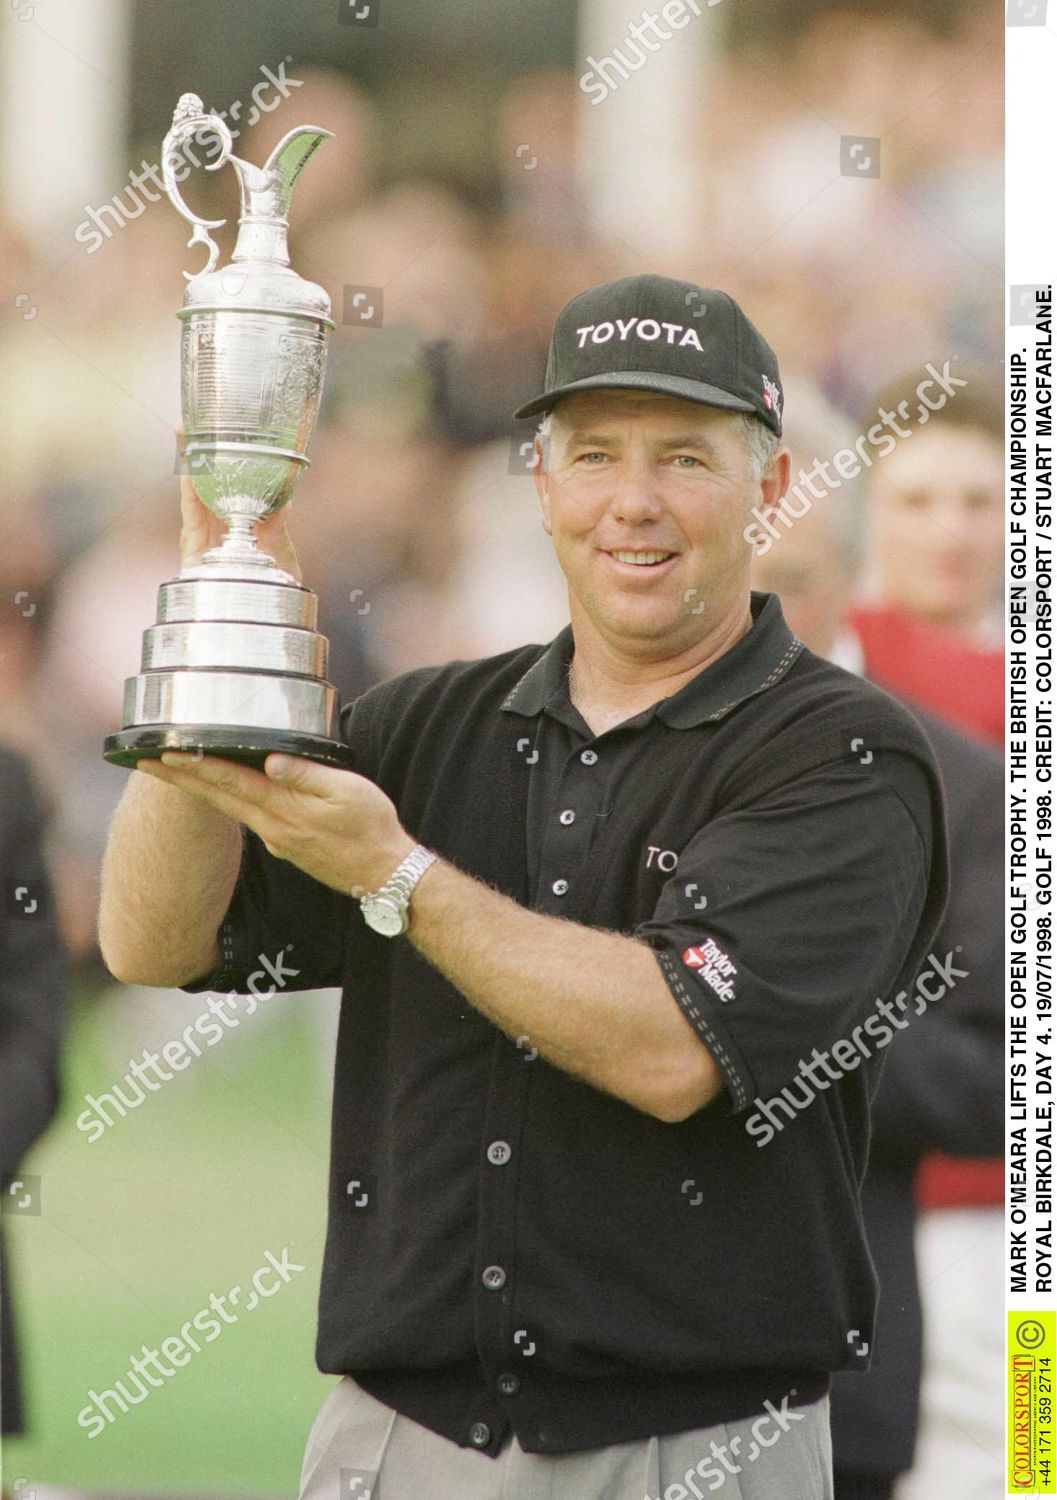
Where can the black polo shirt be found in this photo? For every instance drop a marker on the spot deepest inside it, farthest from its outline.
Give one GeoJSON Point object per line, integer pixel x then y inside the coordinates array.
{"type": "Point", "coordinates": [509, 1246]}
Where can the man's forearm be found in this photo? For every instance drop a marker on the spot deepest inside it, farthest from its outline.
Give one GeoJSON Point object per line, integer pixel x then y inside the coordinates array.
{"type": "Point", "coordinates": [593, 1002]}
{"type": "Point", "coordinates": [170, 867]}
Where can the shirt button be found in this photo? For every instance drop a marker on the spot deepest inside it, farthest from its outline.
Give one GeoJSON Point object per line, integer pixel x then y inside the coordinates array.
{"type": "Point", "coordinates": [499, 1153]}
{"type": "Point", "coordinates": [480, 1434]}
{"type": "Point", "coordinates": [508, 1385]}
{"type": "Point", "coordinates": [559, 887]}
{"type": "Point", "coordinates": [568, 816]}
{"type": "Point", "coordinates": [588, 757]}
{"type": "Point", "coordinates": [493, 1277]}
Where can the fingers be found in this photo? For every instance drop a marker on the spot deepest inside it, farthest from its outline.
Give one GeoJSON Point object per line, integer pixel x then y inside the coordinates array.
{"type": "Point", "coordinates": [202, 791]}
{"type": "Point", "coordinates": [273, 538]}
{"type": "Point", "coordinates": [187, 493]}
{"type": "Point", "coordinates": [194, 515]}
{"type": "Point", "coordinates": [201, 529]}
{"type": "Point", "coordinates": [198, 465]}
{"type": "Point", "coordinates": [225, 775]}
{"type": "Point", "coordinates": [300, 775]}
{"type": "Point", "coordinates": [267, 804]}
{"type": "Point", "coordinates": [238, 791]}
{"type": "Point", "coordinates": [187, 468]}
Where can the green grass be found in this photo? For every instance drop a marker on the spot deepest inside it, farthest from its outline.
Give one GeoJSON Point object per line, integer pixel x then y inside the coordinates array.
{"type": "Point", "coordinates": [178, 1200]}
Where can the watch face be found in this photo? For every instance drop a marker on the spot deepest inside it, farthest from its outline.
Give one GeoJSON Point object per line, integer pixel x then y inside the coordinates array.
{"type": "Point", "coordinates": [385, 916]}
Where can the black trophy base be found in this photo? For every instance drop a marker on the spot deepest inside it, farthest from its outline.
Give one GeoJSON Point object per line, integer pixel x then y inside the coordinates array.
{"type": "Point", "coordinates": [249, 747]}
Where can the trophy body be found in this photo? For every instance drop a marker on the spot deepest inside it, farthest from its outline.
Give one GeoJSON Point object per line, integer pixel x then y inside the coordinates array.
{"type": "Point", "coordinates": [234, 665]}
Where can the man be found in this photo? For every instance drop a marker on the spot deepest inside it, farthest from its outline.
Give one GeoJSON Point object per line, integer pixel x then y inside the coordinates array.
{"type": "Point", "coordinates": [930, 628]}
{"type": "Point", "coordinates": [578, 1244]}
{"type": "Point", "coordinates": [934, 639]}
{"type": "Point", "coordinates": [937, 506]}
{"type": "Point", "coordinates": [942, 1085]}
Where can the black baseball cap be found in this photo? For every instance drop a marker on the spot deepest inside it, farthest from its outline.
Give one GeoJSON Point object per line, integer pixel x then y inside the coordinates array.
{"type": "Point", "coordinates": [652, 333]}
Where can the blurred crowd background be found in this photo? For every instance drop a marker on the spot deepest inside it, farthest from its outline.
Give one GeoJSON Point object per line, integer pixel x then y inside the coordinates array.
{"type": "Point", "coordinates": [470, 190]}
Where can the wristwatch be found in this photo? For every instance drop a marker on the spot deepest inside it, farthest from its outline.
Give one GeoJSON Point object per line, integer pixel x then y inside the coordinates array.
{"type": "Point", "coordinates": [385, 910]}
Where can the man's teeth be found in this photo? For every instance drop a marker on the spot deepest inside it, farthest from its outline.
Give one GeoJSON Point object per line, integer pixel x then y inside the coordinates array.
{"type": "Point", "coordinates": [642, 557]}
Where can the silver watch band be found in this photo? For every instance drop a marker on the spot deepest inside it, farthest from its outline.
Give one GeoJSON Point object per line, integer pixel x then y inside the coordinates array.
{"type": "Point", "coordinates": [406, 876]}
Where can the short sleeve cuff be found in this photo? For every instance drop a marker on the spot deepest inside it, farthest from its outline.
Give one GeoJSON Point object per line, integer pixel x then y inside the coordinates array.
{"type": "Point", "coordinates": [226, 975]}
{"type": "Point", "coordinates": [701, 1015]}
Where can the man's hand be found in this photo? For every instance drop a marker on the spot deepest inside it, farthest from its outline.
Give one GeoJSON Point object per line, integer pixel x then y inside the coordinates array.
{"type": "Point", "coordinates": [200, 529]}
{"type": "Point", "coordinates": [594, 1002]}
{"type": "Point", "coordinates": [335, 825]}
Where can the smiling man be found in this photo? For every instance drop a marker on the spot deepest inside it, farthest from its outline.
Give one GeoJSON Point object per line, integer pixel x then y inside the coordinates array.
{"type": "Point", "coordinates": [592, 906]}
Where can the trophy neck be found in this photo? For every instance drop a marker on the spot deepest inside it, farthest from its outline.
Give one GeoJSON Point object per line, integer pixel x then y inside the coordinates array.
{"type": "Point", "coordinates": [262, 239]}
{"type": "Point", "coordinates": [238, 556]}
{"type": "Point", "coordinates": [266, 193]}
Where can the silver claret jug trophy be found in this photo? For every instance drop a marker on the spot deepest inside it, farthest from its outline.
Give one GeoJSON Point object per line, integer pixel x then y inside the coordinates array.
{"type": "Point", "coordinates": [235, 666]}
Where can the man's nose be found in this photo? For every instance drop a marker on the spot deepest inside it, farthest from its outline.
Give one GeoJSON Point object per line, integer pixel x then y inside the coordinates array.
{"type": "Point", "coordinates": [637, 493]}
{"type": "Point", "coordinates": [948, 515]}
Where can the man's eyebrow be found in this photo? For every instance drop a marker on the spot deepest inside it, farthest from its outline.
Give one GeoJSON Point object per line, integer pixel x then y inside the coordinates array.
{"type": "Point", "coordinates": [582, 436]}
{"type": "Point", "coordinates": [690, 440]}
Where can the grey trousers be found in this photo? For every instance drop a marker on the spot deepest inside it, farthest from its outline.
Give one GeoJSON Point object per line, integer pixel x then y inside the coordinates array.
{"type": "Point", "coordinates": [360, 1449]}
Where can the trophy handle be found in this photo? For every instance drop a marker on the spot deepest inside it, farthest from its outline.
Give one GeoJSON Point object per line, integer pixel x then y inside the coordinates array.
{"type": "Point", "coordinates": [189, 118]}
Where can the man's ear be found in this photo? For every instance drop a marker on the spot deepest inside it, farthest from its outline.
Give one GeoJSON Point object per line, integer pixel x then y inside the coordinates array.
{"type": "Point", "coordinates": [542, 483]}
{"type": "Point", "coordinates": [775, 482]}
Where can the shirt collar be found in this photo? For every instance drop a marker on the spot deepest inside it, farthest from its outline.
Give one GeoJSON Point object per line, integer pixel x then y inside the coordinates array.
{"type": "Point", "coordinates": [760, 659]}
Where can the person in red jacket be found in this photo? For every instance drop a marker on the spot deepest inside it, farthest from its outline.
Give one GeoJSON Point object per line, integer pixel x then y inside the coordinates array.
{"type": "Point", "coordinates": [929, 619]}
{"type": "Point", "coordinates": [943, 1093]}
{"type": "Point", "coordinates": [935, 668]}
{"type": "Point", "coordinates": [935, 541]}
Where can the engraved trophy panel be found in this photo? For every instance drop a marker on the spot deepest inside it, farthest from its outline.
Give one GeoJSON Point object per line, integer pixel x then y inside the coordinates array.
{"type": "Point", "coordinates": [234, 665]}
{"type": "Point", "coordinates": [251, 390]}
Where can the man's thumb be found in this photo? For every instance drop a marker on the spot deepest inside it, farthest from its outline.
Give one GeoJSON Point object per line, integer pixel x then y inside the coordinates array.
{"type": "Point", "coordinates": [301, 775]}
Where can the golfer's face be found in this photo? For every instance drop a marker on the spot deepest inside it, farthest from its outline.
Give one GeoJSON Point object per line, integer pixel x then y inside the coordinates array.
{"type": "Point", "coordinates": [647, 500]}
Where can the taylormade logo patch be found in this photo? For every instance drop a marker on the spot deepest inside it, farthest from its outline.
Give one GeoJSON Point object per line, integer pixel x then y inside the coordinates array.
{"type": "Point", "coordinates": [647, 329]}
{"type": "Point", "coordinates": [713, 966]}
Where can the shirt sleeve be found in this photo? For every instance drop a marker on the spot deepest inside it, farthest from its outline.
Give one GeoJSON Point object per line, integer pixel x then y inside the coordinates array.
{"type": "Point", "coordinates": [788, 920]}
{"type": "Point", "coordinates": [281, 928]}
{"type": "Point", "coordinates": [280, 921]}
